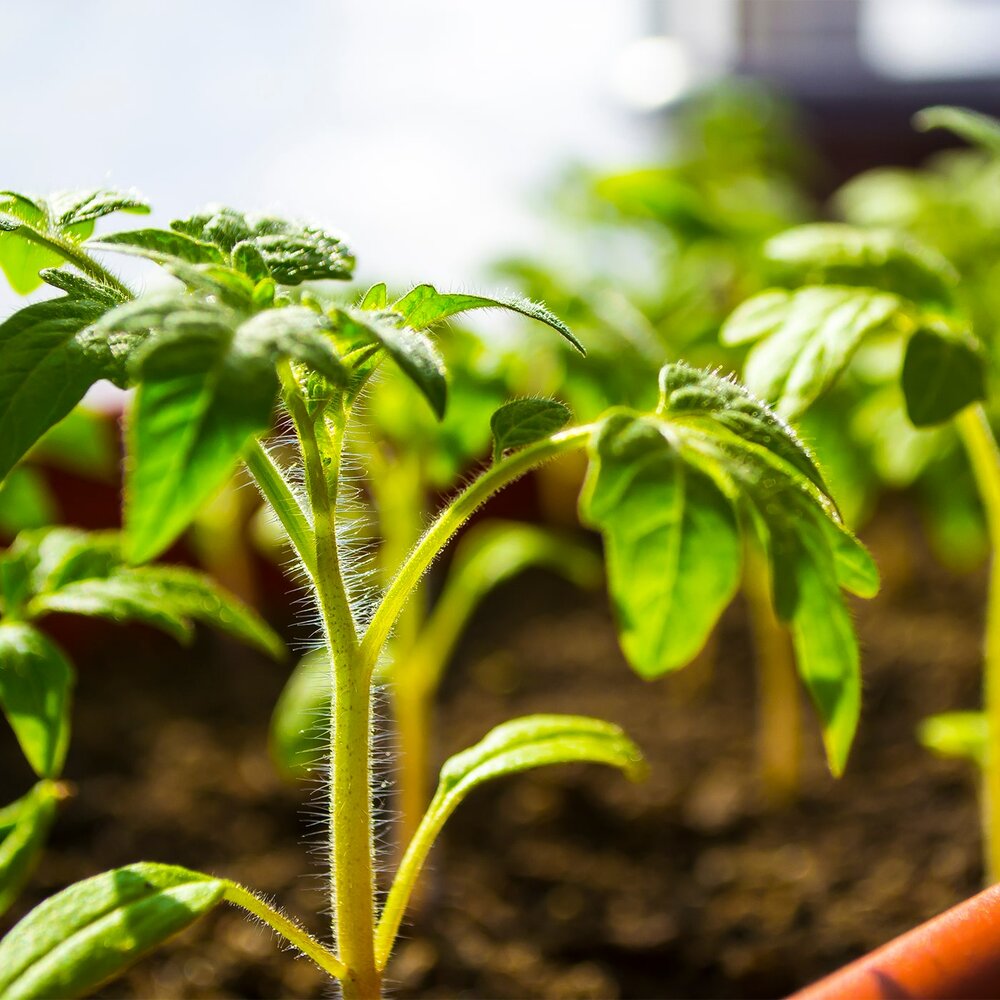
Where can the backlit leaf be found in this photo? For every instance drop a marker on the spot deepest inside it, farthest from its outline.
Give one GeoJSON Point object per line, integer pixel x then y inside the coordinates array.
{"type": "Point", "coordinates": [37, 233]}
{"type": "Point", "coordinates": [673, 547]}
{"type": "Point", "coordinates": [424, 306]}
{"type": "Point", "coordinates": [49, 357]}
{"type": "Point", "coordinates": [976, 128]}
{"type": "Point", "coordinates": [837, 254]}
{"type": "Point", "coordinates": [35, 685]}
{"type": "Point", "coordinates": [24, 825]}
{"type": "Point", "coordinates": [806, 339]}
{"type": "Point", "coordinates": [956, 734]}
{"type": "Point", "coordinates": [97, 928]}
{"type": "Point", "coordinates": [524, 421]}
{"type": "Point", "coordinates": [943, 372]}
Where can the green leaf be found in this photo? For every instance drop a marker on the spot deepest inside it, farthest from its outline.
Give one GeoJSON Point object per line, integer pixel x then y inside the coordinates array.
{"type": "Point", "coordinates": [534, 741]}
{"type": "Point", "coordinates": [673, 546]}
{"type": "Point", "coordinates": [38, 233]}
{"type": "Point", "coordinates": [375, 298]}
{"type": "Point", "coordinates": [524, 421]}
{"type": "Point", "coordinates": [194, 595]}
{"type": "Point", "coordinates": [25, 501]}
{"type": "Point", "coordinates": [59, 556]}
{"type": "Point", "coordinates": [95, 929]}
{"type": "Point", "coordinates": [160, 243]}
{"type": "Point", "coordinates": [50, 356]}
{"type": "Point", "coordinates": [943, 372]}
{"type": "Point", "coordinates": [976, 128]}
{"type": "Point", "coordinates": [672, 492]}
{"type": "Point", "coordinates": [300, 724]}
{"type": "Point", "coordinates": [690, 395]}
{"type": "Point", "coordinates": [806, 338]}
{"type": "Point", "coordinates": [289, 252]}
{"type": "Point", "coordinates": [515, 746]}
{"type": "Point", "coordinates": [24, 825]}
{"type": "Point", "coordinates": [35, 685]}
{"type": "Point", "coordinates": [826, 648]}
{"type": "Point", "coordinates": [836, 254]}
{"type": "Point", "coordinates": [412, 351]}
{"type": "Point", "coordinates": [208, 384]}
{"type": "Point", "coordinates": [424, 306]}
{"type": "Point", "coordinates": [956, 734]}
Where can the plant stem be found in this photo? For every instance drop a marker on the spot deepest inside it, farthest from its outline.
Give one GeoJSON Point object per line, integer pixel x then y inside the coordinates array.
{"type": "Point", "coordinates": [984, 455]}
{"type": "Point", "coordinates": [283, 502]}
{"type": "Point", "coordinates": [78, 258]}
{"type": "Point", "coordinates": [351, 849]}
{"type": "Point", "coordinates": [454, 515]}
{"type": "Point", "coordinates": [779, 715]}
{"type": "Point", "coordinates": [286, 927]}
{"type": "Point", "coordinates": [441, 807]}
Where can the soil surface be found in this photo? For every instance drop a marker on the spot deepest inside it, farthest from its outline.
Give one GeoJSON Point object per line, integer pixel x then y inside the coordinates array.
{"type": "Point", "coordinates": [568, 882]}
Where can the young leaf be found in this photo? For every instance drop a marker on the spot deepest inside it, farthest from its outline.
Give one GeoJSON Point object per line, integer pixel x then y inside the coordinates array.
{"type": "Point", "coordinates": [300, 723]}
{"type": "Point", "coordinates": [375, 298]}
{"type": "Point", "coordinates": [837, 254]}
{"type": "Point", "coordinates": [671, 493]}
{"type": "Point", "coordinates": [26, 501]}
{"type": "Point", "coordinates": [36, 233]}
{"type": "Point", "coordinates": [166, 597]}
{"type": "Point", "coordinates": [413, 352]}
{"type": "Point", "coordinates": [956, 734]}
{"type": "Point", "coordinates": [49, 357]}
{"type": "Point", "coordinates": [159, 244]}
{"type": "Point", "coordinates": [208, 384]}
{"type": "Point", "coordinates": [524, 421]}
{"type": "Point", "coordinates": [806, 338]}
{"type": "Point", "coordinates": [673, 547]}
{"type": "Point", "coordinates": [943, 372]}
{"type": "Point", "coordinates": [512, 747]}
{"type": "Point", "coordinates": [260, 246]}
{"type": "Point", "coordinates": [24, 825]}
{"type": "Point", "coordinates": [97, 928]}
{"type": "Point", "coordinates": [976, 128]}
{"type": "Point", "coordinates": [35, 685]}
{"type": "Point", "coordinates": [536, 740]}
{"type": "Point", "coordinates": [424, 306]}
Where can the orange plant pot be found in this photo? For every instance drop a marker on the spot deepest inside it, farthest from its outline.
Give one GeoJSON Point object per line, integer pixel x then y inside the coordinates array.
{"type": "Point", "coordinates": [954, 956]}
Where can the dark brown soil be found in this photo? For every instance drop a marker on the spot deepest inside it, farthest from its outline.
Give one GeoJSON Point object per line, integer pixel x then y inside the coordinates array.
{"type": "Point", "coordinates": [563, 883]}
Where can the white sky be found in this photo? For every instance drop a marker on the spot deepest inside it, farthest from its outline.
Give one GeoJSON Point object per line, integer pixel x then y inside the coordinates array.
{"type": "Point", "coordinates": [419, 129]}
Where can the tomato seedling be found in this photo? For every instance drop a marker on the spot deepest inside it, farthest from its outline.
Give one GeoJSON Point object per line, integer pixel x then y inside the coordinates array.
{"type": "Point", "coordinates": [676, 491]}
{"type": "Point", "coordinates": [846, 286]}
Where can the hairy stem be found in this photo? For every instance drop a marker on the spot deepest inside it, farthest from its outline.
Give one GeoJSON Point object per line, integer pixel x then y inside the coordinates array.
{"type": "Point", "coordinates": [454, 515]}
{"type": "Point", "coordinates": [351, 849]}
{"type": "Point", "coordinates": [984, 455]}
{"type": "Point", "coordinates": [283, 502]}
{"type": "Point", "coordinates": [78, 258]}
{"type": "Point", "coordinates": [441, 807]}
{"type": "Point", "coordinates": [286, 927]}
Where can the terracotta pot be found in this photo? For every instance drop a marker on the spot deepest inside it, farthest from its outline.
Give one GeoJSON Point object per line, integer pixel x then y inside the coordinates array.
{"type": "Point", "coordinates": [954, 956]}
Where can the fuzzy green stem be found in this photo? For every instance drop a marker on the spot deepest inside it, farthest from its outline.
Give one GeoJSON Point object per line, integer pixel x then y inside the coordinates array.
{"type": "Point", "coordinates": [351, 848]}
{"type": "Point", "coordinates": [441, 807]}
{"type": "Point", "coordinates": [454, 515]}
{"type": "Point", "coordinates": [80, 260]}
{"type": "Point", "coordinates": [984, 455]}
{"type": "Point", "coordinates": [283, 502]}
{"type": "Point", "coordinates": [286, 927]}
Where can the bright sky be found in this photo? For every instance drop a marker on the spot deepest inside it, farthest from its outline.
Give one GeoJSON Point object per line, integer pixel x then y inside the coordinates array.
{"type": "Point", "coordinates": [419, 129]}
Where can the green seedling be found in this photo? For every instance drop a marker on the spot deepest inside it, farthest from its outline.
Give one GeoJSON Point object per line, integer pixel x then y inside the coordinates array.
{"type": "Point", "coordinates": [408, 457]}
{"type": "Point", "coordinates": [676, 491]}
{"type": "Point", "coordinates": [66, 571]}
{"type": "Point", "coordinates": [848, 288]}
